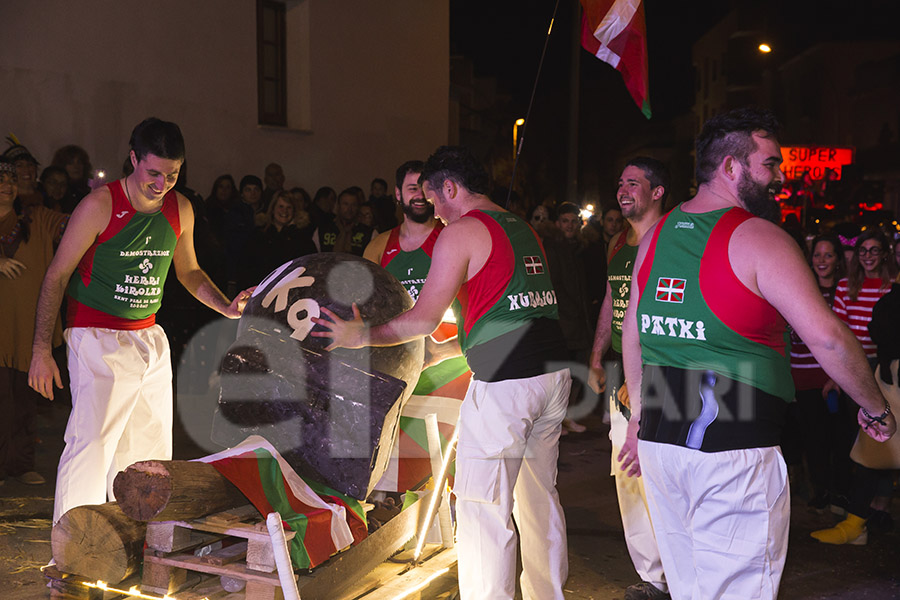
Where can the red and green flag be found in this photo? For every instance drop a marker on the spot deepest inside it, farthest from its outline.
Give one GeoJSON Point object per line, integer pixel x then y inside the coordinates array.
{"type": "Point", "coordinates": [325, 521]}
{"type": "Point", "coordinates": [440, 390]}
{"type": "Point", "coordinates": [615, 32]}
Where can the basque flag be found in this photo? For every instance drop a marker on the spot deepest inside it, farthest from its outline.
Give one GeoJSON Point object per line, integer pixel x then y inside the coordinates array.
{"type": "Point", "coordinates": [670, 289]}
{"type": "Point", "coordinates": [614, 31]}
{"type": "Point", "coordinates": [325, 521]}
{"type": "Point", "coordinates": [533, 265]}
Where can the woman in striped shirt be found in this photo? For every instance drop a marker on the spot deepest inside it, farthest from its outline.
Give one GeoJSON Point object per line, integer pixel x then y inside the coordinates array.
{"type": "Point", "coordinates": [871, 272]}
{"type": "Point", "coordinates": [869, 278]}
{"type": "Point", "coordinates": [821, 423]}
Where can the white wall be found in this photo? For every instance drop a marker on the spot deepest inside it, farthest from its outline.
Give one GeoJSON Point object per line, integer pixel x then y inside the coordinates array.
{"type": "Point", "coordinates": [86, 72]}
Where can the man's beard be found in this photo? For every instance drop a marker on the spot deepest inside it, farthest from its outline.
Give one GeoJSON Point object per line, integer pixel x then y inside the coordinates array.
{"type": "Point", "coordinates": [759, 198]}
{"type": "Point", "coordinates": [419, 217]}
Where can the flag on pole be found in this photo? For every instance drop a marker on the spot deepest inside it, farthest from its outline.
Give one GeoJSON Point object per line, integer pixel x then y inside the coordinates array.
{"type": "Point", "coordinates": [325, 521]}
{"type": "Point", "coordinates": [614, 31]}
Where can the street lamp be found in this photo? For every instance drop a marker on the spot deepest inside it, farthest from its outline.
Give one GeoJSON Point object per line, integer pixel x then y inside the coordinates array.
{"type": "Point", "coordinates": [764, 48]}
{"type": "Point", "coordinates": [518, 123]}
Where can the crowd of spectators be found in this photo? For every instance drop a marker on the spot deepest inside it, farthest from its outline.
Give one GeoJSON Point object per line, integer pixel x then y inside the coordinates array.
{"type": "Point", "coordinates": [245, 230]}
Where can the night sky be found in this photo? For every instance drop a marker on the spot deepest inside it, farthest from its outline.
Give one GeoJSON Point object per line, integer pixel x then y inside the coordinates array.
{"type": "Point", "coordinates": [504, 39]}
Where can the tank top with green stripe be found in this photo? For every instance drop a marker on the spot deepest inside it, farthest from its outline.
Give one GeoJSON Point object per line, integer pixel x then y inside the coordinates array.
{"type": "Point", "coordinates": [506, 315]}
{"type": "Point", "coordinates": [619, 276]}
{"type": "Point", "coordinates": [694, 313]}
{"type": "Point", "coordinates": [511, 289]}
{"type": "Point", "coordinates": [124, 272]}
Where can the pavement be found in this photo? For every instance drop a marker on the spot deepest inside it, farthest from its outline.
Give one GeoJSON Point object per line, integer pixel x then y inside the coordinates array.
{"type": "Point", "coordinates": [599, 566]}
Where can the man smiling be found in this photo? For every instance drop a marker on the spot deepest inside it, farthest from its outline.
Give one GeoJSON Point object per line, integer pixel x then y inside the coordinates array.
{"type": "Point", "coordinates": [122, 238]}
{"type": "Point", "coordinates": [708, 376]}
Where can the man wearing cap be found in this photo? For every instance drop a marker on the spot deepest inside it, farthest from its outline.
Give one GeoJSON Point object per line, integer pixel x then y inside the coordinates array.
{"type": "Point", "coordinates": [122, 238]}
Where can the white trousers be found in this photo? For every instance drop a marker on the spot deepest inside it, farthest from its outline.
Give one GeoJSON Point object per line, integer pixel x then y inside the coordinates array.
{"type": "Point", "coordinates": [639, 536]}
{"type": "Point", "coordinates": [506, 468]}
{"type": "Point", "coordinates": [721, 519]}
{"type": "Point", "coordinates": [121, 410]}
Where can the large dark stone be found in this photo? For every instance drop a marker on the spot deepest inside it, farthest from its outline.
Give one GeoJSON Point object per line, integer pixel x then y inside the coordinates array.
{"type": "Point", "coordinates": [332, 415]}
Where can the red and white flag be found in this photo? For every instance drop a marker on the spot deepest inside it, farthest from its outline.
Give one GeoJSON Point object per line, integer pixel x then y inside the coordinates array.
{"type": "Point", "coordinates": [614, 31]}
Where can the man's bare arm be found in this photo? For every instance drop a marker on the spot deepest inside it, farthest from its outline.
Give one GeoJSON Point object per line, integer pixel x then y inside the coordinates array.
{"type": "Point", "coordinates": [602, 337]}
{"type": "Point", "coordinates": [195, 279]}
{"type": "Point", "coordinates": [88, 221]}
{"type": "Point", "coordinates": [632, 365]}
{"type": "Point", "coordinates": [787, 283]}
{"type": "Point", "coordinates": [451, 262]}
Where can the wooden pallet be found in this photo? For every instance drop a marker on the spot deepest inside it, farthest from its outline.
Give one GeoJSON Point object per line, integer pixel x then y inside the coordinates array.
{"type": "Point", "coordinates": [245, 561]}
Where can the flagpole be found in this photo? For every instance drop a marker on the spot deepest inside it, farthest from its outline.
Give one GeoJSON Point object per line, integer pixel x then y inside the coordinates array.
{"type": "Point", "coordinates": [530, 104]}
{"type": "Point", "coordinates": [574, 104]}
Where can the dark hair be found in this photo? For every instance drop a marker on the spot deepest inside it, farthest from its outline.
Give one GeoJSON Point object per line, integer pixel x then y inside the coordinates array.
{"type": "Point", "coordinates": [457, 164]}
{"type": "Point", "coordinates": [655, 171]}
{"type": "Point", "coordinates": [731, 134]}
{"type": "Point", "coordinates": [379, 180]}
{"type": "Point", "coordinates": [614, 207]}
{"type": "Point", "coordinates": [157, 137]}
{"type": "Point", "coordinates": [215, 187]}
{"type": "Point", "coordinates": [250, 180]}
{"type": "Point", "coordinates": [568, 208]}
{"type": "Point", "coordinates": [354, 191]}
{"type": "Point", "coordinates": [67, 154]}
{"type": "Point", "coordinates": [410, 166]}
{"type": "Point", "coordinates": [323, 192]}
{"type": "Point", "coordinates": [840, 267]}
{"type": "Point", "coordinates": [857, 274]}
{"type": "Point", "coordinates": [53, 169]}
{"type": "Point", "coordinates": [303, 194]}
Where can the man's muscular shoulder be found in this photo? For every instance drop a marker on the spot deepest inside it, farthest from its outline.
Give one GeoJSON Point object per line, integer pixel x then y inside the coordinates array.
{"type": "Point", "coordinates": [93, 211]}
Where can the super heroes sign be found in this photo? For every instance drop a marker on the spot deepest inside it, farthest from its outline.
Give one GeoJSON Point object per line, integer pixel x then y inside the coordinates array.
{"type": "Point", "coordinates": [815, 159]}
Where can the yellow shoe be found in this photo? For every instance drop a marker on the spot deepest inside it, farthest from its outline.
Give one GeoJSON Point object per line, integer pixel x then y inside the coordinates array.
{"type": "Point", "coordinates": [851, 530]}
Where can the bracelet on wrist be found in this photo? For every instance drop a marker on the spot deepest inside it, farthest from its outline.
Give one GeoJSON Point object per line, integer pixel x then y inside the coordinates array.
{"type": "Point", "coordinates": [878, 418]}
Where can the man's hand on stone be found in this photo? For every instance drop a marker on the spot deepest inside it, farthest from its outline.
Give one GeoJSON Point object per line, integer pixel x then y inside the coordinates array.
{"type": "Point", "coordinates": [236, 308]}
{"type": "Point", "coordinates": [343, 334]}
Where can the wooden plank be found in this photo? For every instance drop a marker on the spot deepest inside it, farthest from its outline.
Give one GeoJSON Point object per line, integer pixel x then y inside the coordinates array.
{"type": "Point", "coordinates": [242, 530]}
{"type": "Point", "coordinates": [260, 555]}
{"type": "Point", "coordinates": [167, 536]}
{"type": "Point", "coordinates": [342, 571]}
{"type": "Point", "coordinates": [422, 575]}
{"type": "Point", "coordinates": [226, 555]}
{"type": "Point", "coordinates": [260, 591]}
{"type": "Point", "coordinates": [195, 563]}
{"type": "Point", "coordinates": [444, 518]}
{"type": "Point", "coordinates": [165, 579]}
{"type": "Point", "coordinates": [235, 515]}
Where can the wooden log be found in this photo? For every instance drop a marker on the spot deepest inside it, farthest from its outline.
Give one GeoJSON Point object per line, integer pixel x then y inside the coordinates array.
{"type": "Point", "coordinates": [173, 490]}
{"type": "Point", "coordinates": [98, 542]}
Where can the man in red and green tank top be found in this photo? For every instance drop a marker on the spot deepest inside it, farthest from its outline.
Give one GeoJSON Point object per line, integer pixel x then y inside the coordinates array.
{"type": "Point", "coordinates": [705, 356]}
{"type": "Point", "coordinates": [492, 263]}
{"type": "Point", "coordinates": [405, 251]}
{"type": "Point", "coordinates": [642, 191]}
{"type": "Point", "coordinates": [112, 264]}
